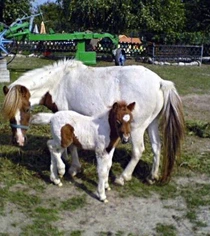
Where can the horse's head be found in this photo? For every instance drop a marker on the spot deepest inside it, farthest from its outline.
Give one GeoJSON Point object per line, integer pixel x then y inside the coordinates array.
{"type": "Point", "coordinates": [16, 108]}
{"type": "Point", "coordinates": [120, 118]}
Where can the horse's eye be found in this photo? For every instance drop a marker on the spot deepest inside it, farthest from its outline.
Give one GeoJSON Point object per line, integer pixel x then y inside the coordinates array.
{"type": "Point", "coordinates": [118, 123]}
{"type": "Point", "coordinates": [27, 110]}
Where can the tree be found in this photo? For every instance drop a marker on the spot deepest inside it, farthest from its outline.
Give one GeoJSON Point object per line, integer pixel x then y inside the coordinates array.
{"type": "Point", "coordinates": [13, 9]}
{"type": "Point", "coordinates": [162, 17]}
{"type": "Point", "coordinates": [51, 15]}
{"type": "Point", "coordinates": [200, 9]}
{"type": "Point", "coordinates": [98, 15]}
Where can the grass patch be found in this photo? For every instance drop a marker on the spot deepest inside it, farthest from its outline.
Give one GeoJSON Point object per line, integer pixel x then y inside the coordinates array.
{"type": "Point", "coordinates": [73, 203]}
{"type": "Point", "coordinates": [76, 233]}
{"type": "Point", "coordinates": [198, 128]}
{"type": "Point", "coordinates": [40, 227]}
{"type": "Point", "coordinates": [165, 230]}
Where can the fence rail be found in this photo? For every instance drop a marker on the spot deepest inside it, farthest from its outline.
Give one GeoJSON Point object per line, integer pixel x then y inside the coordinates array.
{"type": "Point", "coordinates": [175, 53]}
{"type": "Point", "coordinates": [163, 53]}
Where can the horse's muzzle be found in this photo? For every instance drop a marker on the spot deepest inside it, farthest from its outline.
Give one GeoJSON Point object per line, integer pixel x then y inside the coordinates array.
{"type": "Point", "coordinates": [19, 143]}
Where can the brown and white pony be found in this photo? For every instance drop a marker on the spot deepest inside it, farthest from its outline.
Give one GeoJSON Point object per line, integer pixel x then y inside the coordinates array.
{"type": "Point", "coordinates": [100, 133]}
{"type": "Point", "coordinates": [71, 85]}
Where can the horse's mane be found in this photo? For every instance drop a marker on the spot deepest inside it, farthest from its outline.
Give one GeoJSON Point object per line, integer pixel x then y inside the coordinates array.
{"type": "Point", "coordinates": [66, 64]}
{"type": "Point", "coordinates": [11, 103]}
{"type": "Point", "coordinates": [13, 99]}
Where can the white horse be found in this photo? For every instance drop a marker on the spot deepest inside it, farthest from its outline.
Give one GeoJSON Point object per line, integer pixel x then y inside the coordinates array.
{"type": "Point", "coordinates": [71, 85]}
{"type": "Point", "coordinates": [101, 134]}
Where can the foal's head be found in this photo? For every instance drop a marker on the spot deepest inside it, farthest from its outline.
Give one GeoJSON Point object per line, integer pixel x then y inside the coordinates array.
{"type": "Point", "coordinates": [19, 114]}
{"type": "Point", "coordinates": [120, 118]}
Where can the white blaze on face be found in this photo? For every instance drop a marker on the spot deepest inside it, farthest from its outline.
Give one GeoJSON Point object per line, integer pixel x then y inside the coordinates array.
{"type": "Point", "coordinates": [126, 117]}
{"type": "Point", "coordinates": [126, 137]}
{"type": "Point", "coordinates": [19, 135]}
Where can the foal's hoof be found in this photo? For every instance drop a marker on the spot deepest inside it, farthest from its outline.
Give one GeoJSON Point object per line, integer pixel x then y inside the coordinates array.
{"type": "Point", "coordinates": [119, 181]}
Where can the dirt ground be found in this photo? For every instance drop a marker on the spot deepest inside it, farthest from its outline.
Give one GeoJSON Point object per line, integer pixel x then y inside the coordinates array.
{"type": "Point", "coordinates": [132, 215]}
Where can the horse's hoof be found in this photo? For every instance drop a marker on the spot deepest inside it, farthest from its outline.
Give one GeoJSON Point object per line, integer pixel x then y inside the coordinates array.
{"type": "Point", "coordinates": [61, 173]}
{"type": "Point", "coordinates": [119, 181]}
{"type": "Point", "coordinates": [60, 184]}
{"type": "Point", "coordinates": [152, 180]}
{"type": "Point", "coordinates": [73, 171]}
{"type": "Point", "coordinates": [57, 182]}
{"type": "Point", "coordinates": [108, 189]}
{"type": "Point", "coordinates": [105, 201]}
{"type": "Point", "coordinates": [127, 177]}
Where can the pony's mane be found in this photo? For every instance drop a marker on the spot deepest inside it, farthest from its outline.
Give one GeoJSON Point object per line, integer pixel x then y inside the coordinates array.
{"type": "Point", "coordinates": [65, 65]}
{"type": "Point", "coordinates": [12, 102]}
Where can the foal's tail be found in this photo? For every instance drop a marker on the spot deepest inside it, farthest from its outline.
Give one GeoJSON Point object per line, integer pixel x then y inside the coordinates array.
{"type": "Point", "coordinates": [173, 128]}
{"type": "Point", "coordinates": [41, 118]}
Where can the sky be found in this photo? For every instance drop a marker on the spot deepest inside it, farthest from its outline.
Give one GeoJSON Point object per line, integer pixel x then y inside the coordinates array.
{"type": "Point", "coordinates": [39, 2]}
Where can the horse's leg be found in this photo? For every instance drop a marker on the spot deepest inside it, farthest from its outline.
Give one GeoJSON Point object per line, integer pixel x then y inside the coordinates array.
{"type": "Point", "coordinates": [156, 148]}
{"type": "Point", "coordinates": [75, 164]}
{"type": "Point", "coordinates": [102, 164]}
{"type": "Point", "coordinates": [138, 148]}
{"type": "Point", "coordinates": [57, 166]}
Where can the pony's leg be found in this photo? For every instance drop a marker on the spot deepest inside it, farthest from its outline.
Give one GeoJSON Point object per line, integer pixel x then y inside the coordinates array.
{"type": "Point", "coordinates": [75, 164]}
{"type": "Point", "coordinates": [138, 148]}
{"type": "Point", "coordinates": [109, 165]}
{"type": "Point", "coordinates": [57, 165]}
{"type": "Point", "coordinates": [156, 148]}
{"type": "Point", "coordinates": [102, 169]}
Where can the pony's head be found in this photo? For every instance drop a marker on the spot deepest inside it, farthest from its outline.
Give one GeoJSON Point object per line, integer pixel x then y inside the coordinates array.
{"type": "Point", "coordinates": [120, 118]}
{"type": "Point", "coordinates": [19, 113]}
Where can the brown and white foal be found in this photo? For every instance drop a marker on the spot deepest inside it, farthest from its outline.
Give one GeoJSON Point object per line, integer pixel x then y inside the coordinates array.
{"type": "Point", "coordinates": [101, 134]}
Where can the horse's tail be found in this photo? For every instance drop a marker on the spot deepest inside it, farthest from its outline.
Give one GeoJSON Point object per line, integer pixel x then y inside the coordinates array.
{"type": "Point", "coordinates": [12, 102]}
{"type": "Point", "coordinates": [173, 128]}
{"type": "Point", "coordinates": [41, 118]}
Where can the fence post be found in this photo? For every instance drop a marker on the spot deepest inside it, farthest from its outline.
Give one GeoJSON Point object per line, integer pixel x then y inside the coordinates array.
{"type": "Point", "coordinates": [4, 73]}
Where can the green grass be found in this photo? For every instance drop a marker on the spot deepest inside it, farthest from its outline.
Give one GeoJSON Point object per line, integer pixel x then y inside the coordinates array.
{"type": "Point", "coordinates": [25, 171]}
{"type": "Point", "coordinates": [165, 230]}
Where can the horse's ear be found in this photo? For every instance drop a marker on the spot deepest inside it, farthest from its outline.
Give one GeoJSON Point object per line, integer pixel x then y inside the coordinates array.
{"type": "Point", "coordinates": [115, 106]}
{"type": "Point", "coordinates": [131, 106]}
{"type": "Point", "coordinates": [24, 91]}
{"type": "Point", "coordinates": [5, 90]}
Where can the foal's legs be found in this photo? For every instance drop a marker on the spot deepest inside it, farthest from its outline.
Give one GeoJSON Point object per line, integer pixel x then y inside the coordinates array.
{"type": "Point", "coordinates": [57, 166]}
{"type": "Point", "coordinates": [156, 148]}
{"type": "Point", "coordinates": [109, 164]}
{"type": "Point", "coordinates": [102, 169]}
{"type": "Point", "coordinates": [75, 164]}
{"type": "Point", "coordinates": [138, 148]}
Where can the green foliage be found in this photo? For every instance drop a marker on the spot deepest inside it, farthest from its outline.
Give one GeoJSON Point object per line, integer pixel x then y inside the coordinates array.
{"type": "Point", "coordinates": [162, 21]}
{"type": "Point", "coordinates": [198, 128]}
{"type": "Point", "coordinates": [13, 9]}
